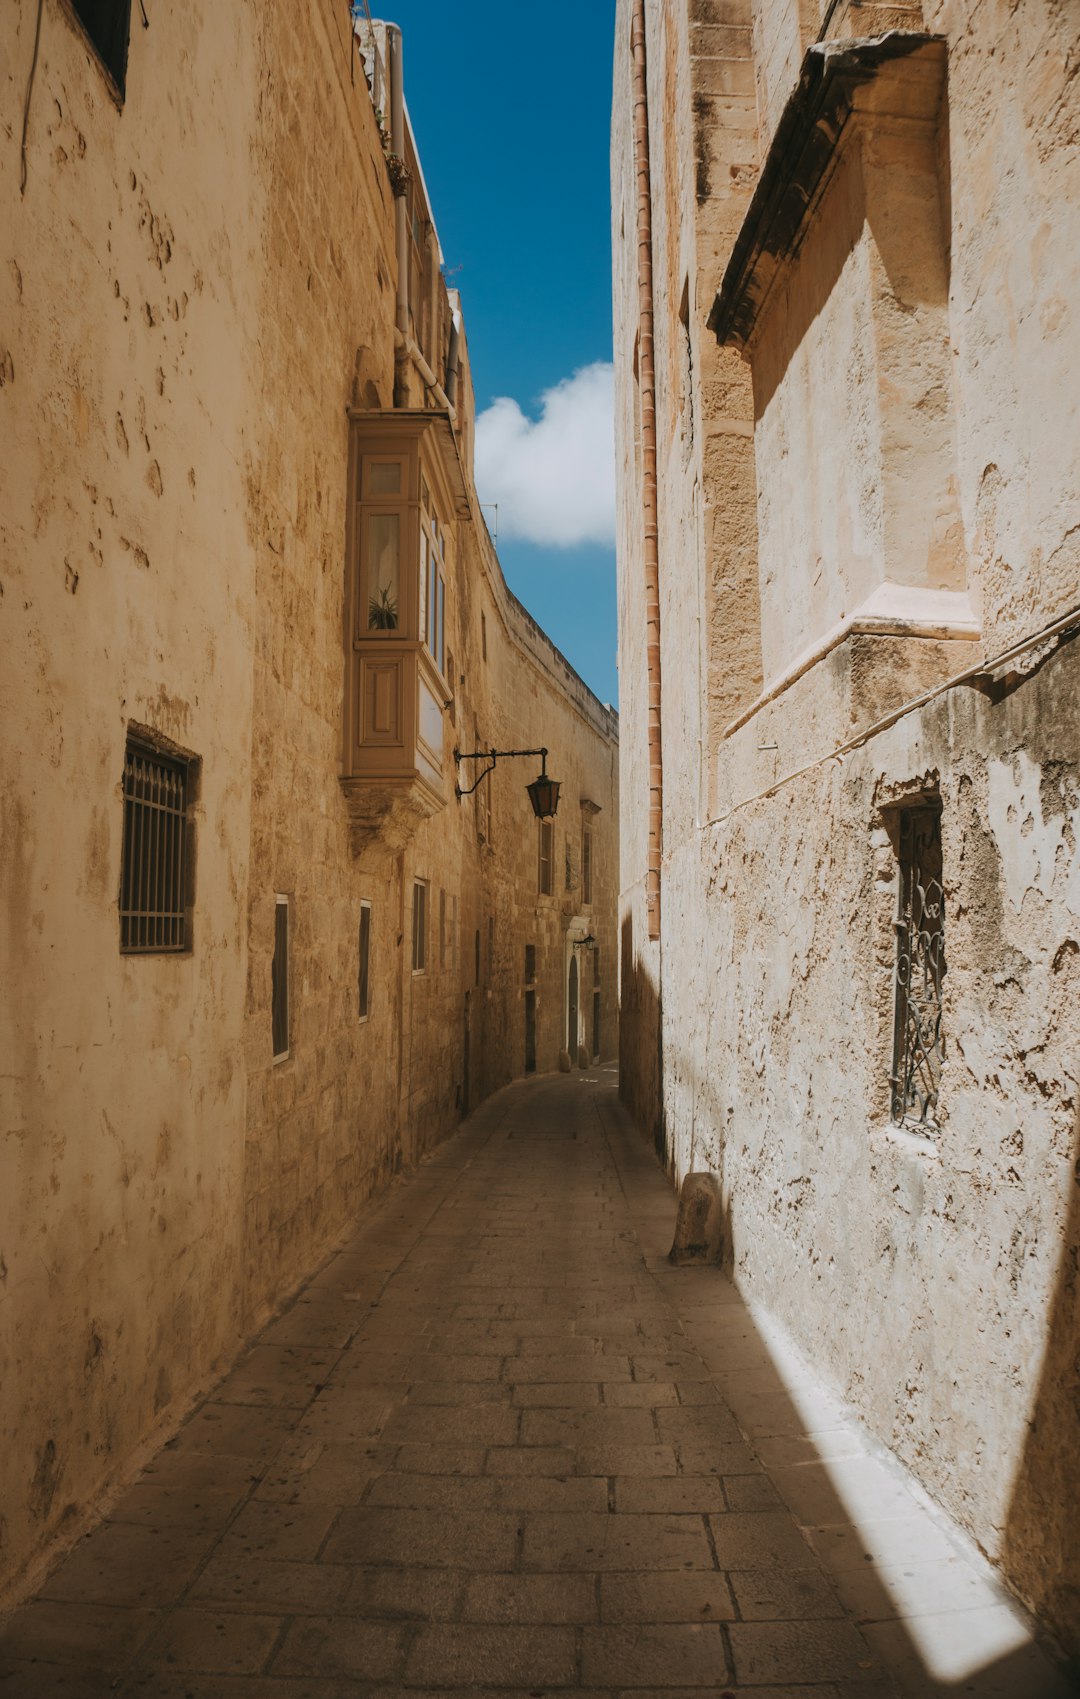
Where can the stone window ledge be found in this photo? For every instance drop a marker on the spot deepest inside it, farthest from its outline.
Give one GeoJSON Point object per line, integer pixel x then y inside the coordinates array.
{"type": "Point", "coordinates": [892, 610]}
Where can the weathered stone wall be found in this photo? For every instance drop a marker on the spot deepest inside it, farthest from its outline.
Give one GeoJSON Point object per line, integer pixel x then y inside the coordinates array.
{"type": "Point", "coordinates": [197, 286]}
{"type": "Point", "coordinates": [934, 1282]}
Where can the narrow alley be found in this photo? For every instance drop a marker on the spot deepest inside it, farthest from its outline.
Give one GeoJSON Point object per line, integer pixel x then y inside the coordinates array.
{"type": "Point", "coordinates": [499, 1443]}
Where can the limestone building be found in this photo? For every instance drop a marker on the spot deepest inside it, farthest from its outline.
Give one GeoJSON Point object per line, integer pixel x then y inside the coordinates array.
{"type": "Point", "coordinates": [256, 954]}
{"type": "Point", "coordinates": [847, 287]}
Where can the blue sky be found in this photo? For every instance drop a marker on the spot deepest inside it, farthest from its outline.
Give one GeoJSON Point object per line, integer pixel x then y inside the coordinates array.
{"type": "Point", "coordinates": [511, 108]}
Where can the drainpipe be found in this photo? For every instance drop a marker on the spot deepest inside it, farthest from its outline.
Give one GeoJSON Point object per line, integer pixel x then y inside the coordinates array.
{"type": "Point", "coordinates": [452, 361]}
{"type": "Point", "coordinates": [399, 178]}
{"type": "Point", "coordinates": [647, 386]}
{"type": "Point", "coordinates": [407, 349]}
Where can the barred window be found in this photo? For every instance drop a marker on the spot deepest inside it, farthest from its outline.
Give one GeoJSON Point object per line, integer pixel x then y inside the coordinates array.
{"type": "Point", "coordinates": [546, 855]}
{"type": "Point", "coordinates": [918, 1044]}
{"type": "Point", "coordinates": [155, 857]}
{"type": "Point", "coordinates": [586, 864]}
{"type": "Point", "coordinates": [365, 961]}
{"type": "Point", "coordinates": [419, 927]}
{"type": "Point", "coordinates": [279, 980]}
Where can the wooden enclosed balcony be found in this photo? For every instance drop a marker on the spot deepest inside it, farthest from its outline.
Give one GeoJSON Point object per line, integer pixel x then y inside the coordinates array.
{"type": "Point", "coordinates": [406, 496]}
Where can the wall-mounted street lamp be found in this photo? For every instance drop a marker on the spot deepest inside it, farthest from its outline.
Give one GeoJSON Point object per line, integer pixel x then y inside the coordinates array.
{"type": "Point", "coordinates": [543, 792]}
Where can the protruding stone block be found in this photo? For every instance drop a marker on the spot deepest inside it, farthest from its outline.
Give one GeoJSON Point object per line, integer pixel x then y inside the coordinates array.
{"type": "Point", "coordinates": [699, 1224]}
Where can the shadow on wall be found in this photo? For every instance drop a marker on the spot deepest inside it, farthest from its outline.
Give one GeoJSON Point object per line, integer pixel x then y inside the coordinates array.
{"type": "Point", "coordinates": [926, 1653]}
{"type": "Point", "coordinates": [1040, 1551]}
{"type": "Point", "coordinates": [641, 1058]}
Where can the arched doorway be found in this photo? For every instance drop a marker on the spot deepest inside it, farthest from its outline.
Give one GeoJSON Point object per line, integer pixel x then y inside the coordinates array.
{"type": "Point", "coordinates": [572, 1008]}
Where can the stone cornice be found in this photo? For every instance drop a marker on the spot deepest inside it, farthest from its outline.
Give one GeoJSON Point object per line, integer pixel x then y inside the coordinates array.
{"type": "Point", "coordinates": [899, 75]}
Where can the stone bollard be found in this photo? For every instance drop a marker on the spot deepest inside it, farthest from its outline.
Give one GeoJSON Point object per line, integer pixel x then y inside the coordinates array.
{"type": "Point", "coordinates": [699, 1228]}
{"type": "Point", "coordinates": [565, 1063]}
{"type": "Point", "coordinates": [584, 1060]}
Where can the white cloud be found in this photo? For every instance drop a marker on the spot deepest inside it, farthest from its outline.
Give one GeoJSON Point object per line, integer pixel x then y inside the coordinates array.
{"type": "Point", "coordinates": [553, 477]}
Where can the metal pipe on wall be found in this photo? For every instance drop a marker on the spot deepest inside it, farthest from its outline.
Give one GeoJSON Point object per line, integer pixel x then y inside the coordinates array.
{"type": "Point", "coordinates": [401, 210]}
{"type": "Point", "coordinates": [647, 389]}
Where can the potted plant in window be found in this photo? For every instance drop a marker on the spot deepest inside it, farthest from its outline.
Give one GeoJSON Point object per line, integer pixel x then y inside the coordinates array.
{"type": "Point", "coordinates": [382, 611]}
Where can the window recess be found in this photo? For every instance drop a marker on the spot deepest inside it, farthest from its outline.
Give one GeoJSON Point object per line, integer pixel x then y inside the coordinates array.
{"type": "Point", "coordinates": [107, 26]}
{"type": "Point", "coordinates": [918, 1038]}
{"type": "Point", "coordinates": [156, 854]}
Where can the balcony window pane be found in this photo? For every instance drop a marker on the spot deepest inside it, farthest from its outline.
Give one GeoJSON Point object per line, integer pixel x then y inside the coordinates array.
{"type": "Point", "coordinates": [384, 477]}
{"type": "Point", "coordinates": [383, 571]}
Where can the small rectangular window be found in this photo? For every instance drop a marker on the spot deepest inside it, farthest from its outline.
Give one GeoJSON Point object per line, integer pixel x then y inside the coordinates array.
{"type": "Point", "coordinates": [453, 933]}
{"type": "Point", "coordinates": [586, 864]}
{"type": "Point", "coordinates": [546, 840]}
{"type": "Point", "coordinates": [155, 853]}
{"type": "Point", "coordinates": [918, 1043]}
{"type": "Point", "coordinates": [491, 946]}
{"type": "Point", "coordinates": [530, 964]}
{"type": "Point", "coordinates": [364, 981]}
{"type": "Point", "coordinates": [483, 636]}
{"type": "Point", "coordinates": [419, 927]}
{"type": "Point", "coordinates": [442, 929]}
{"type": "Point", "coordinates": [108, 25]}
{"type": "Point", "coordinates": [279, 980]}
{"type": "Point", "coordinates": [596, 964]}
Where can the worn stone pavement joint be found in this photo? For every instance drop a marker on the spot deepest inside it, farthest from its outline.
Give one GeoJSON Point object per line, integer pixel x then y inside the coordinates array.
{"type": "Point", "coordinates": [533, 1459]}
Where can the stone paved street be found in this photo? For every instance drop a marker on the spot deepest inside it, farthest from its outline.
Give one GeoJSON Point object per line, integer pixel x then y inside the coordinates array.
{"type": "Point", "coordinates": [498, 1443]}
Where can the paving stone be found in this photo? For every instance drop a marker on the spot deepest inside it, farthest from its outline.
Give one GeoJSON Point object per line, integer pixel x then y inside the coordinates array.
{"type": "Point", "coordinates": [478, 1655]}
{"type": "Point", "coordinates": [555, 1460]}
{"type": "Point", "coordinates": [97, 1636]}
{"type": "Point", "coordinates": [730, 1457]}
{"type": "Point", "coordinates": [644, 1460]}
{"type": "Point", "coordinates": [557, 1395]}
{"type": "Point", "coordinates": [424, 1595]}
{"type": "Point", "coordinates": [689, 1596]}
{"type": "Point", "coordinates": [483, 1424]}
{"type": "Point", "coordinates": [148, 1505]}
{"type": "Point", "coordinates": [687, 1654]}
{"type": "Point", "coordinates": [271, 1531]}
{"type": "Point", "coordinates": [751, 1492]}
{"type": "Point", "coordinates": [531, 1598]}
{"type": "Point", "coordinates": [595, 1543]}
{"type": "Point", "coordinates": [763, 1541]}
{"type": "Point", "coordinates": [587, 1427]}
{"type": "Point", "coordinates": [447, 1392]}
{"type": "Point", "coordinates": [646, 1395]}
{"type": "Point", "coordinates": [213, 1642]}
{"type": "Point", "coordinates": [119, 1564]}
{"type": "Point", "coordinates": [286, 1589]}
{"type": "Point", "coordinates": [768, 1595]}
{"type": "Point", "coordinates": [592, 1366]}
{"type": "Point", "coordinates": [313, 1472]}
{"type": "Point", "coordinates": [709, 1424]}
{"type": "Point", "coordinates": [277, 1374]}
{"type": "Point", "coordinates": [233, 1430]}
{"type": "Point", "coordinates": [686, 1494]}
{"type": "Point", "coordinates": [341, 1645]}
{"type": "Point", "coordinates": [453, 1540]}
{"type": "Point", "coordinates": [794, 1651]}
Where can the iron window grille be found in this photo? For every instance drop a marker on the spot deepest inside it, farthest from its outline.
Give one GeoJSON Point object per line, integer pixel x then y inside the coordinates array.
{"type": "Point", "coordinates": [154, 864]}
{"type": "Point", "coordinates": [918, 1041]}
